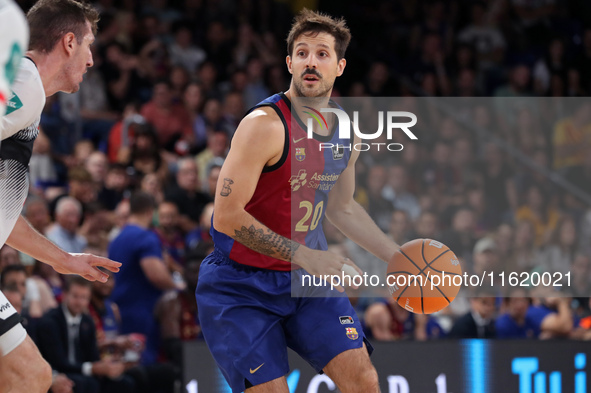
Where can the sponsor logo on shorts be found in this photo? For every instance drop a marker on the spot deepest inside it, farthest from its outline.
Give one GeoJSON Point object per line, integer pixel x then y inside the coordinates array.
{"type": "Point", "coordinates": [256, 369]}
{"type": "Point", "coordinates": [346, 320]}
{"type": "Point", "coordinates": [352, 333]}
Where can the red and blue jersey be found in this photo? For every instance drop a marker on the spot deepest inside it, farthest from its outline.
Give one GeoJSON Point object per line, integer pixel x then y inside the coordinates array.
{"type": "Point", "coordinates": [291, 196]}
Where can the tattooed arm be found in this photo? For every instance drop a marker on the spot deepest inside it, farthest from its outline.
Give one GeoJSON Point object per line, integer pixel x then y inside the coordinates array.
{"type": "Point", "coordinates": [258, 142]}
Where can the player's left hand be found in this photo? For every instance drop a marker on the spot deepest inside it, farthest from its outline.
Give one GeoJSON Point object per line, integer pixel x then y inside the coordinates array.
{"type": "Point", "coordinates": [86, 265]}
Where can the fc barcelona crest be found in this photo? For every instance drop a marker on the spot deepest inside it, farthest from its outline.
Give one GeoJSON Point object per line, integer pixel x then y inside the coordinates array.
{"type": "Point", "coordinates": [352, 333]}
{"type": "Point", "coordinates": [300, 153]}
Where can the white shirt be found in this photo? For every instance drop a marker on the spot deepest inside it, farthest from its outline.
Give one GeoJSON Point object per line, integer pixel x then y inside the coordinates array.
{"type": "Point", "coordinates": [14, 39]}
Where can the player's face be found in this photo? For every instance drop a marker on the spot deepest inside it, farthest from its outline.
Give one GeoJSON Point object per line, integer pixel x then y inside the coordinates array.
{"type": "Point", "coordinates": [314, 65]}
{"type": "Point", "coordinates": [80, 61]}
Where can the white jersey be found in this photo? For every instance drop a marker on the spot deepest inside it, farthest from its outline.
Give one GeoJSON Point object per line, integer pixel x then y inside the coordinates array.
{"type": "Point", "coordinates": [18, 129]}
{"type": "Point", "coordinates": [14, 38]}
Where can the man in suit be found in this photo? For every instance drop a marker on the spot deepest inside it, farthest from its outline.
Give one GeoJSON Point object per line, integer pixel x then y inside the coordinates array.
{"type": "Point", "coordinates": [67, 340]}
{"type": "Point", "coordinates": [479, 321]}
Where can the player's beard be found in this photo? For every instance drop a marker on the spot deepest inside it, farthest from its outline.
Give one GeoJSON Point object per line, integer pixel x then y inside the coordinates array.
{"type": "Point", "coordinates": [321, 91]}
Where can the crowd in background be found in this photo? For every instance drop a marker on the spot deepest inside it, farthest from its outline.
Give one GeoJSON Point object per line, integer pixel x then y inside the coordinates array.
{"type": "Point", "coordinates": [171, 81]}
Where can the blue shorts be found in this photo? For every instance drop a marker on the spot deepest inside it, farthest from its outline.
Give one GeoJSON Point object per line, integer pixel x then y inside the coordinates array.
{"type": "Point", "coordinates": [249, 317]}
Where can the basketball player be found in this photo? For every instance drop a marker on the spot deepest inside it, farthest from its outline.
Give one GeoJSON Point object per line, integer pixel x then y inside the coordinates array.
{"type": "Point", "coordinates": [61, 32]}
{"type": "Point", "coordinates": [246, 309]}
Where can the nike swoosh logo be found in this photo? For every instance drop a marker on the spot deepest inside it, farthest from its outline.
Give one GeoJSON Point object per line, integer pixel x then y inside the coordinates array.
{"type": "Point", "coordinates": [297, 140]}
{"type": "Point", "coordinates": [256, 369]}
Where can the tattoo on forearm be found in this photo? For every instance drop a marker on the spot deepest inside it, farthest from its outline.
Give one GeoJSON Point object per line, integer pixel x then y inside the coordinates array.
{"type": "Point", "coordinates": [266, 242]}
{"type": "Point", "coordinates": [226, 190]}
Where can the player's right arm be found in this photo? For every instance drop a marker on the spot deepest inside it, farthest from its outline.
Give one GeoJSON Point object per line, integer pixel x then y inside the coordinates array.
{"type": "Point", "coordinates": [258, 142]}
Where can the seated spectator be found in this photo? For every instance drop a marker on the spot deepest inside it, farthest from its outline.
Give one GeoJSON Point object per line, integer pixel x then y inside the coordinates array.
{"type": "Point", "coordinates": [80, 187]}
{"type": "Point", "coordinates": [397, 192]}
{"type": "Point", "coordinates": [552, 317]}
{"type": "Point", "coordinates": [201, 235]}
{"type": "Point", "coordinates": [126, 348]}
{"type": "Point", "coordinates": [171, 120]}
{"type": "Point", "coordinates": [400, 227]}
{"type": "Point", "coordinates": [213, 173]}
{"type": "Point", "coordinates": [571, 138]}
{"type": "Point", "coordinates": [538, 211]}
{"type": "Point", "coordinates": [64, 233]}
{"type": "Point", "coordinates": [36, 212]}
{"type": "Point", "coordinates": [177, 312]}
{"type": "Point", "coordinates": [217, 147]}
{"type": "Point", "coordinates": [387, 321]}
{"type": "Point", "coordinates": [514, 323]}
{"type": "Point", "coordinates": [559, 255]}
{"type": "Point", "coordinates": [185, 194]}
{"type": "Point", "coordinates": [67, 340]}
{"type": "Point", "coordinates": [478, 322]}
{"type": "Point", "coordinates": [170, 235]}
{"type": "Point", "coordinates": [16, 276]}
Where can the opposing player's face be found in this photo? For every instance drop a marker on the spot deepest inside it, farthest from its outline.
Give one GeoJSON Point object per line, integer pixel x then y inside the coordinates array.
{"type": "Point", "coordinates": [80, 61]}
{"type": "Point", "coordinates": [314, 65]}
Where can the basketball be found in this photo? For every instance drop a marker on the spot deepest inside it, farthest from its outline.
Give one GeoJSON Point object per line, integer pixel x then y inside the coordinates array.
{"type": "Point", "coordinates": [424, 276]}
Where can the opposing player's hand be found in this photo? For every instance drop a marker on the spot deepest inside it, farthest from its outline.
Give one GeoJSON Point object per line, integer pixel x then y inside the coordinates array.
{"type": "Point", "coordinates": [322, 263]}
{"type": "Point", "coordinates": [86, 265]}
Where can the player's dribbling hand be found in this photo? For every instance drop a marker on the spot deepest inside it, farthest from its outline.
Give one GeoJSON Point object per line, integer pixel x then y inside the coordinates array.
{"type": "Point", "coordinates": [323, 263]}
{"type": "Point", "coordinates": [86, 265]}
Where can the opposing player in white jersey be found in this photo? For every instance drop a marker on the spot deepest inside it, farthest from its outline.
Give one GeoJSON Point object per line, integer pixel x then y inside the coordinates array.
{"type": "Point", "coordinates": [61, 32]}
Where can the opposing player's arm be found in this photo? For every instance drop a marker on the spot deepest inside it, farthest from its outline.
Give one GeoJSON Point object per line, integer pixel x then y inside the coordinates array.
{"type": "Point", "coordinates": [258, 142]}
{"type": "Point", "coordinates": [26, 239]}
{"type": "Point", "coordinates": [352, 219]}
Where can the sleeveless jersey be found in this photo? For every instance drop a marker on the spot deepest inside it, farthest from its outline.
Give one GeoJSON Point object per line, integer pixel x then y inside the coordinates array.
{"type": "Point", "coordinates": [18, 128]}
{"type": "Point", "coordinates": [291, 196]}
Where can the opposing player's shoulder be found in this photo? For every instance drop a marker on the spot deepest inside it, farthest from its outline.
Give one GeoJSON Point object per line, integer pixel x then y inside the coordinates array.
{"type": "Point", "coordinates": [26, 102]}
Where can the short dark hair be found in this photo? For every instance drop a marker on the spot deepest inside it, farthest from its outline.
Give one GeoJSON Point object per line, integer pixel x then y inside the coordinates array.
{"type": "Point", "coordinates": [10, 269]}
{"type": "Point", "coordinates": [76, 280]}
{"type": "Point", "coordinates": [50, 20]}
{"type": "Point", "coordinates": [315, 22]}
{"type": "Point", "coordinates": [141, 202]}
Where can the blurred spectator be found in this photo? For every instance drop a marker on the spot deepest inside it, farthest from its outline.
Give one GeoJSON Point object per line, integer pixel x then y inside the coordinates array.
{"type": "Point", "coordinates": [36, 212]}
{"type": "Point", "coordinates": [519, 82]}
{"type": "Point", "coordinates": [524, 255]}
{"type": "Point", "coordinates": [379, 208]}
{"type": "Point", "coordinates": [217, 147]}
{"type": "Point", "coordinates": [233, 111]}
{"type": "Point", "coordinates": [400, 227]}
{"type": "Point", "coordinates": [478, 322]}
{"type": "Point", "coordinates": [177, 312]}
{"type": "Point", "coordinates": [67, 340]}
{"type": "Point", "coordinates": [213, 174]}
{"type": "Point", "coordinates": [200, 237]}
{"type": "Point", "coordinates": [581, 279]}
{"type": "Point", "coordinates": [514, 323]}
{"type": "Point", "coordinates": [553, 63]}
{"type": "Point", "coordinates": [16, 276]}
{"type": "Point", "coordinates": [183, 52]}
{"type": "Point", "coordinates": [151, 184]}
{"type": "Point", "coordinates": [143, 273]}
{"type": "Point", "coordinates": [171, 120]}
{"type": "Point", "coordinates": [486, 257]}
{"type": "Point", "coordinates": [387, 321]}
{"type": "Point", "coordinates": [185, 194]}
{"type": "Point", "coordinates": [114, 346]}
{"type": "Point", "coordinates": [484, 36]}
{"type": "Point", "coordinates": [571, 138]}
{"type": "Point", "coordinates": [460, 237]}
{"type": "Point", "coordinates": [194, 98]}
{"type": "Point", "coordinates": [64, 233]}
{"type": "Point", "coordinates": [426, 226]}
{"type": "Point", "coordinates": [559, 254]}
{"type": "Point", "coordinates": [552, 317]}
{"type": "Point", "coordinates": [396, 191]}
{"type": "Point", "coordinates": [42, 170]}
{"type": "Point", "coordinates": [80, 187]}
{"type": "Point", "coordinates": [538, 211]}
{"type": "Point", "coordinates": [580, 175]}
{"type": "Point", "coordinates": [170, 235]}
{"type": "Point", "coordinates": [499, 190]}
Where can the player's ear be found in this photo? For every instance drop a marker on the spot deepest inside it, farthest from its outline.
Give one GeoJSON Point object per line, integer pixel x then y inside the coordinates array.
{"type": "Point", "coordinates": [341, 66]}
{"type": "Point", "coordinates": [288, 62]}
{"type": "Point", "coordinates": [68, 41]}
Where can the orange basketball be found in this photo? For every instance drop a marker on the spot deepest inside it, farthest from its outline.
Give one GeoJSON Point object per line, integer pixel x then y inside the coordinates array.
{"type": "Point", "coordinates": [424, 276]}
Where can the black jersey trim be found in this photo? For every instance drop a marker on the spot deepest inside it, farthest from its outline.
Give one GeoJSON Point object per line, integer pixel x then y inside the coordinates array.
{"type": "Point", "coordinates": [319, 138]}
{"type": "Point", "coordinates": [9, 323]}
{"type": "Point", "coordinates": [285, 153]}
